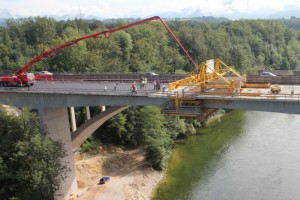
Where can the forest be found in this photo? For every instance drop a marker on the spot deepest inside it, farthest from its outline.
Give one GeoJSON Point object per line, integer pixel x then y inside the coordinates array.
{"type": "Point", "coordinates": [30, 163]}
{"type": "Point", "coordinates": [246, 45]}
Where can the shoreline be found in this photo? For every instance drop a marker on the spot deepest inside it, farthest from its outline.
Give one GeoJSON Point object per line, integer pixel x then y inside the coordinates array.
{"type": "Point", "coordinates": [131, 177]}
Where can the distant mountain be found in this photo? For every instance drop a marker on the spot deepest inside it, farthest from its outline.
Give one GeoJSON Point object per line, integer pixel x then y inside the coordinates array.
{"type": "Point", "coordinates": [5, 14]}
{"type": "Point", "coordinates": [209, 19]}
{"type": "Point", "coordinates": [183, 13]}
{"type": "Point", "coordinates": [186, 13]}
{"type": "Point", "coordinates": [285, 14]}
{"type": "Point", "coordinates": [73, 16]}
{"type": "Point", "coordinates": [2, 21]}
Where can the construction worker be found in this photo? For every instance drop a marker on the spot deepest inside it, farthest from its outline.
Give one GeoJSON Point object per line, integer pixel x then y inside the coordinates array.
{"type": "Point", "coordinates": [164, 88]}
{"type": "Point", "coordinates": [145, 82]}
{"type": "Point", "coordinates": [133, 88]}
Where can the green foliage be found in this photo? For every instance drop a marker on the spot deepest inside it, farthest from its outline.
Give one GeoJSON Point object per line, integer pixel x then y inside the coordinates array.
{"type": "Point", "coordinates": [89, 145]}
{"type": "Point", "coordinates": [293, 22]}
{"type": "Point", "coordinates": [30, 164]}
{"type": "Point", "coordinates": [244, 44]}
{"type": "Point", "coordinates": [157, 156]}
{"type": "Point", "coordinates": [176, 127]}
{"type": "Point", "coordinates": [145, 127]}
{"type": "Point", "coordinates": [113, 132]}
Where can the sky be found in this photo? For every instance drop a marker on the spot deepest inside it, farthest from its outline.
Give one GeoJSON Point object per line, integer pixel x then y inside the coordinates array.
{"type": "Point", "coordinates": [143, 8]}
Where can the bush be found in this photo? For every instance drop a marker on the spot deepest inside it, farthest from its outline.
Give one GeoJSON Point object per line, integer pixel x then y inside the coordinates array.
{"type": "Point", "coordinates": [157, 157]}
{"type": "Point", "coordinates": [89, 145]}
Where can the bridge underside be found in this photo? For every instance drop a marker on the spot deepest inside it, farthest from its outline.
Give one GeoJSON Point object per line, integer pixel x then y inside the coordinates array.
{"type": "Point", "coordinates": [267, 105]}
{"type": "Point", "coordinates": [90, 126]}
{"type": "Point", "coordinates": [62, 100]}
{"type": "Point", "coordinates": [202, 106]}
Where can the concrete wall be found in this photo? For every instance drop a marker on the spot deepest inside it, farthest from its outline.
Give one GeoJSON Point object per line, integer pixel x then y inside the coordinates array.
{"type": "Point", "coordinates": [56, 122]}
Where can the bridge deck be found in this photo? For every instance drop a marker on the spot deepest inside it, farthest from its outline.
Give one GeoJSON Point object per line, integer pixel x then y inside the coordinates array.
{"type": "Point", "coordinates": [58, 94]}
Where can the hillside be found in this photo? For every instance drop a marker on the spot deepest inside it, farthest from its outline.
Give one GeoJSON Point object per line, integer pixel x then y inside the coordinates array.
{"type": "Point", "coordinates": [131, 178]}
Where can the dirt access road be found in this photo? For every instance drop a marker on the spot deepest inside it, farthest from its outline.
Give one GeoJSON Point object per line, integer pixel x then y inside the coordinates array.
{"type": "Point", "coordinates": [130, 177]}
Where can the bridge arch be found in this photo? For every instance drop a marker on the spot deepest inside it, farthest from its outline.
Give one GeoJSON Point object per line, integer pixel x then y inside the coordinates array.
{"type": "Point", "coordinates": [89, 127]}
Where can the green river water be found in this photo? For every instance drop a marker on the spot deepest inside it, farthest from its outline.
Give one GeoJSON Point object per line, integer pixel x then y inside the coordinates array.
{"type": "Point", "coordinates": [245, 155]}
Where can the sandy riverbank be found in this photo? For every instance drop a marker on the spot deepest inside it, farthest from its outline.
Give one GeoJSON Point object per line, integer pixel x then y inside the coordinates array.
{"type": "Point", "coordinates": [131, 177]}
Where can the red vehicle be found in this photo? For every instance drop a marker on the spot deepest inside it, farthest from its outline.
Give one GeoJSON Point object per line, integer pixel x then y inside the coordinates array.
{"type": "Point", "coordinates": [22, 78]}
{"type": "Point", "coordinates": [26, 79]}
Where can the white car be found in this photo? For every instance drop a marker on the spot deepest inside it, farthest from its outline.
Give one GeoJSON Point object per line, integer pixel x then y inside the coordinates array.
{"type": "Point", "coordinates": [151, 74]}
{"type": "Point", "coordinates": [267, 74]}
{"type": "Point", "coordinates": [43, 75]}
{"type": "Point", "coordinates": [44, 72]}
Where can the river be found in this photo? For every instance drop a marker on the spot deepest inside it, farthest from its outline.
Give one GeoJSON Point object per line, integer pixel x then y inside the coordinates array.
{"type": "Point", "coordinates": [245, 155]}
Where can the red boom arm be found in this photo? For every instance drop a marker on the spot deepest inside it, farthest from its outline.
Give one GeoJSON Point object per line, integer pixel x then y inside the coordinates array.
{"type": "Point", "coordinates": [106, 34]}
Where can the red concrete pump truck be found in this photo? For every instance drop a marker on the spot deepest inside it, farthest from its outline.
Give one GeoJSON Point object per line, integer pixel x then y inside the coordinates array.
{"type": "Point", "coordinates": [22, 78]}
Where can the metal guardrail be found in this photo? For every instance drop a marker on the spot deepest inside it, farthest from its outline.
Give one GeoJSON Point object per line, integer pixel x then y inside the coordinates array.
{"type": "Point", "coordinates": [150, 92]}
{"type": "Point", "coordinates": [167, 78]}
{"type": "Point", "coordinates": [116, 77]}
{"type": "Point", "coordinates": [83, 91]}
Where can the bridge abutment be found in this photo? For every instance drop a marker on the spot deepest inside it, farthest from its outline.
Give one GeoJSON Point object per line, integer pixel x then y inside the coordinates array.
{"type": "Point", "coordinates": [56, 122]}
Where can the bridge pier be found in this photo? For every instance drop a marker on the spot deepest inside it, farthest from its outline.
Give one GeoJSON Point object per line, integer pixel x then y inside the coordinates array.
{"type": "Point", "coordinates": [102, 108]}
{"type": "Point", "coordinates": [56, 123]}
{"type": "Point", "coordinates": [87, 113]}
{"type": "Point", "coordinates": [72, 119]}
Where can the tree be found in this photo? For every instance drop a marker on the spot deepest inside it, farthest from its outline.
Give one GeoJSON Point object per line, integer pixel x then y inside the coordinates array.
{"type": "Point", "coordinates": [30, 163]}
{"type": "Point", "coordinates": [39, 30]}
{"type": "Point", "coordinates": [155, 137]}
{"type": "Point", "coordinates": [114, 132]}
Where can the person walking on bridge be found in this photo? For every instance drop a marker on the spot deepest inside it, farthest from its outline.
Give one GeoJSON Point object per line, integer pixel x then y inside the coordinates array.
{"type": "Point", "coordinates": [115, 86]}
{"type": "Point", "coordinates": [145, 82]}
{"type": "Point", "coordinates": [133, 88]}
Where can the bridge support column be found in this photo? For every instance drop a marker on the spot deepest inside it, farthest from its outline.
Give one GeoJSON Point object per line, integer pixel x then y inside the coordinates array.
{"type": "Point", "coordinates": [87, 113]}
{"type": "Point", "coordinates": [102, 108]}
{"type": "Point", "coordinates": [56, 123]}
{"type": "Point", "coordinates": [72, 119]}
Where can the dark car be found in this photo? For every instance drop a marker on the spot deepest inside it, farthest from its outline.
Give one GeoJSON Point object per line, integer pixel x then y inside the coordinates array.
{"type": "Point", "coordinates": [104, 179]}
{"type": "Point", "coordinates": [267, 74]}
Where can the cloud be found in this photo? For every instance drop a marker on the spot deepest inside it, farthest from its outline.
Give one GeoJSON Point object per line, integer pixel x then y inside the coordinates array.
{"type": "Point", "coordinates": [127, 8]}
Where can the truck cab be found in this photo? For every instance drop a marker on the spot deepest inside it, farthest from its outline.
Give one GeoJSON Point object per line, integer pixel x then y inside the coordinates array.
{"type": "Point", "coordinates": [28, 79]}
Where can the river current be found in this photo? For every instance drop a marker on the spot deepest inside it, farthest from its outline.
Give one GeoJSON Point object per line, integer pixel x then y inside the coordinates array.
{"type": "Point", "coordinates": [245, 155]}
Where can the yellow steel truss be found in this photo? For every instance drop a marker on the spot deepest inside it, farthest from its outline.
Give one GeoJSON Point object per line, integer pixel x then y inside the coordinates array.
{"type": "Point", "coordinates": [204, 74]}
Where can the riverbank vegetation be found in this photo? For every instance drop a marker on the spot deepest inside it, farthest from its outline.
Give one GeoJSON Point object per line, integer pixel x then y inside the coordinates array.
{"type": "Point", "coordinates": [30, 163]}
{"type": "Point", "coordinates": [142, 127]}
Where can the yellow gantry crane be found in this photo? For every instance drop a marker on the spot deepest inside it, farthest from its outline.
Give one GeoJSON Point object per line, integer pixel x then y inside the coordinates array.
{"type": "Point", "coordinates": [212, 77]}
{"type": "Point", "coordinates": [211, 74]}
